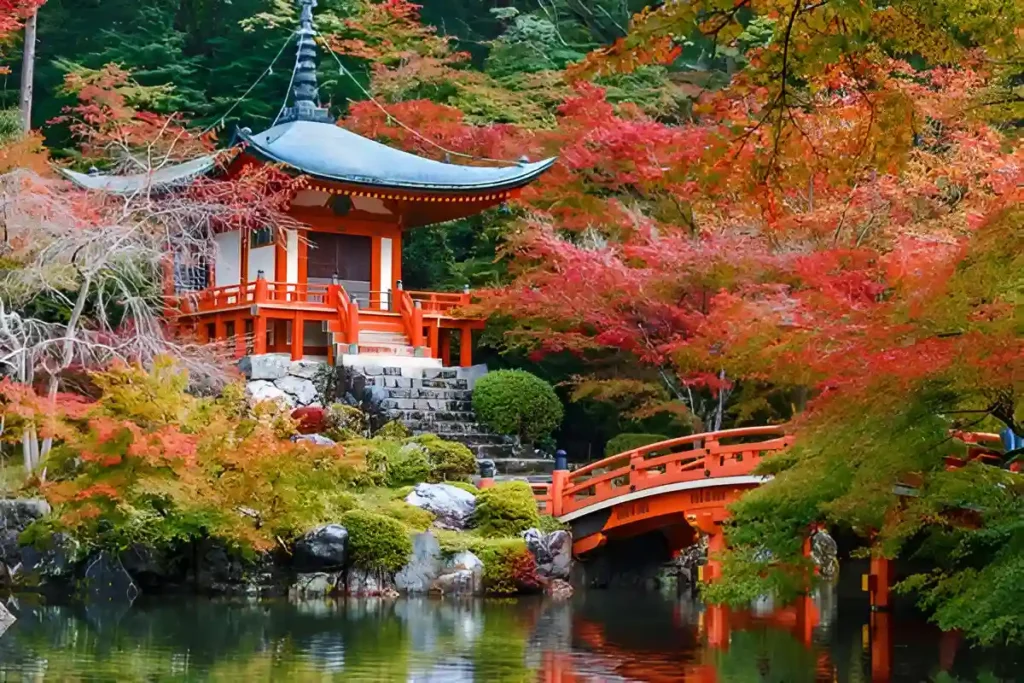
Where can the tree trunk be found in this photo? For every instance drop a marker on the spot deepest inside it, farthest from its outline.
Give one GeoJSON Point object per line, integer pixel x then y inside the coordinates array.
{"type": "Point", "coordinates": [28, 67]}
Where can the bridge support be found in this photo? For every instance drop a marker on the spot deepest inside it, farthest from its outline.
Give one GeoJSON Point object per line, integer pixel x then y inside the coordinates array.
{"type": "Point", "coordinates": [878, 583]}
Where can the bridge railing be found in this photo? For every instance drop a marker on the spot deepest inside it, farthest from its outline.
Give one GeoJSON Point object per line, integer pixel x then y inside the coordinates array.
{"type": "Point", "coordinates": [695, 457]}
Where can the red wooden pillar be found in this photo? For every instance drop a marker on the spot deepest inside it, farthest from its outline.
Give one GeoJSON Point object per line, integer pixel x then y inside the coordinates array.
{"type": "Point", "coordinates": [446, 348]}
{"type": "Point", "coordinates": [716, 545]}
{"type": "Point", "coordinates": [879, 583]}
{"type": "Point", "coordinates": [435, 333]}
{"type": "Point", "coordinates": [298, 334]}
{"type": "Point", "coordinates": [220, 328]}
{"type": "Point", "coordinates": [466, 347]}
{"type": "Point", "coordinates": [259, 331]}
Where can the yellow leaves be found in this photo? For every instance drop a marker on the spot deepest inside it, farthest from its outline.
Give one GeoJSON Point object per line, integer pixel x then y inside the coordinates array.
{"type": "Point", "coordinates": [903, 31]}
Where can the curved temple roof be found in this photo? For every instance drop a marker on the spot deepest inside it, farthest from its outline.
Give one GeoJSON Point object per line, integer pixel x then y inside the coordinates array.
{"type": "Point", "coordinates": [330, 152]}
{"type": "Point", "coordinates": [163, 178]}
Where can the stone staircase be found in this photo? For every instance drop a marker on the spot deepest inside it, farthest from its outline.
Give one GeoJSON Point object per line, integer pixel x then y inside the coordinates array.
{"type": "Point", "coordinates": [435, 401]}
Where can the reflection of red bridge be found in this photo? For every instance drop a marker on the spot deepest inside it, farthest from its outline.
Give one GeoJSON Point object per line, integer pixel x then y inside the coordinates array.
{"type": "Point", "coordinates": [713, 631]}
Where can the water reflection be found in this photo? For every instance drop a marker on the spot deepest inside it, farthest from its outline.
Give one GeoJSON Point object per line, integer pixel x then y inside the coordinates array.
{"type": "Point", "coordinates": [599, 636]}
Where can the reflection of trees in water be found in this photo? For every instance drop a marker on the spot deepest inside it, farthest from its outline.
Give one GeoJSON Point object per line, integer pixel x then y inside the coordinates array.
{"type": "Point", "coordinates": [213, 640]}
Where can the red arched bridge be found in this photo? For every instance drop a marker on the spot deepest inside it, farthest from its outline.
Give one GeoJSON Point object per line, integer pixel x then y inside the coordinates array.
{"type": "Point", "coordinates": [682, 488]}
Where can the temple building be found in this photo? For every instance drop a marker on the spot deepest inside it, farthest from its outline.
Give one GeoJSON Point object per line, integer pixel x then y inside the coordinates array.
{"type": "Point", "coordinates": [332, 288]}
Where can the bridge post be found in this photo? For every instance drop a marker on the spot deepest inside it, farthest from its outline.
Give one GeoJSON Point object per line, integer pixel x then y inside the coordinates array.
{"type": "Point", "coordinates": [486, 474]}
{"type": "Point", "coordinates": [559, 479]}
{"type": "Point", "coordinates": [878, 583]}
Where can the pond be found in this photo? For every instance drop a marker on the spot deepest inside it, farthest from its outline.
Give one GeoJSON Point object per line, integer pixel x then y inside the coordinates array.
{"type": "Point", "coordinates": [597, 636]}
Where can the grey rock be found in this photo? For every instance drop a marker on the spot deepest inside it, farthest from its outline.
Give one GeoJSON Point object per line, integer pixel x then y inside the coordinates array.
{"type": "Point", "coordinates": [324, 547]}
{"type": "Point", "coordinates": [461, 575]}
{"type": "Point", "coordinates": [315, 439]}
{"type": "Point", "coordinates": [106, 580]}
{"type": "Point", "coordinates": [6, 619]}
{"type": "Point", "coordinates": [551, 551]}
{"type": "Point", "coordinates": [452, 507]}
{"type": "Point", "coordinates": [301, 390]}
{"type": "Point", "coordinates": [15, 516]}
{"type": "Point", "coordinates": [423, 567]}
{"type": "Point", "coordinates": [315, 585]}
{"type": "Point", "coordinates": [363, 583]}
{"type": "Point", "coordinates": [262, 390]}
{"type": "Point", "coordinates": [269, 366]}
{"type": "Point", "coordinates": [459, 583]}
{"type": "Point", "coordinates": [55, 560]}
{"type": "Point", "coordinates": [306, 369]}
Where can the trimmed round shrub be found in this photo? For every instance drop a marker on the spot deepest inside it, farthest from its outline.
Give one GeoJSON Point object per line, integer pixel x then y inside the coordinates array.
{"type": "Point", "coordinates": [509, 567]}
{"type": "Point", "coordinates": [449, 460]}
{"type": "Point", "coordinates": [628, 441]}
{"type": "Point", "coordinates": [515, 402]}
{"type": "Point", "coordinates": [376, 542]}
{"type": "Point", "coordinates": [506, 509]}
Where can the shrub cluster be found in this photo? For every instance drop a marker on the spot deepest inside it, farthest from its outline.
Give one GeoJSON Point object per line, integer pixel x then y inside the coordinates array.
{"type": "Point", "coordinates": [514, 402]}
{"type": "Point", "coordinates": [376, 542]}
{"type": "Point", "coordinates": [506, 509]}
{"type": "Point", "coordinates": [448, 460]}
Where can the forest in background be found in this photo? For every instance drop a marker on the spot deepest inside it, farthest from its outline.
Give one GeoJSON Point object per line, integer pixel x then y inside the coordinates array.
{"type": "Point", "coordinates": [764, 210]}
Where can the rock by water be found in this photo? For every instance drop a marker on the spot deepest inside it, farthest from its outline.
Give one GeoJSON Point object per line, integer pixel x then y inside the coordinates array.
{"type": "Point", "coordinates": [6, 620]}
{"type": "Point", "coordinates": [315, 585]}
{"type": "Point", "coordinates": [417, 576]}
{"type": "Point", "coordinates": [323, 548]}
{"type": "Point", "coordinates": [364, 584]}
{"type": "Point", "coordinates": [452, 507]}
{"type": "Point", "coordinates": [106, 580]}
{"type": "Point", "coordinates": [551, 551]}
{"type": "Point", "coordinates": [462, 575]}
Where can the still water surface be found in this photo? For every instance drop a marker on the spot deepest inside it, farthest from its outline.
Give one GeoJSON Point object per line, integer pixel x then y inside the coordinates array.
{"type": "Point", "coordinates": [600, 636]}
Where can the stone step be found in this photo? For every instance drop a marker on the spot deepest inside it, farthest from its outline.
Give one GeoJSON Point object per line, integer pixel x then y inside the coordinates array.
{"type": "Point", "coordinates": [417, 383]}
{"type": "Point", "coordinates": [432, 394]}
{"type": "Point", "coordinates": [426, 404]}
{"type": "Point", "coordinates": [433, 417]}
{"type": "Point", "coordinates": [389, 349]}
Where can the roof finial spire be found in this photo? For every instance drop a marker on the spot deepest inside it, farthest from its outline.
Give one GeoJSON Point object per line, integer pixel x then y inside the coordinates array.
{"type": "Point", "coordinates": [305, 92]}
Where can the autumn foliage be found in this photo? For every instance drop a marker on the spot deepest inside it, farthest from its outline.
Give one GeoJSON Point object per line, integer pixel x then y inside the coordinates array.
{"type": "Point", "coordinates": [147, 463]}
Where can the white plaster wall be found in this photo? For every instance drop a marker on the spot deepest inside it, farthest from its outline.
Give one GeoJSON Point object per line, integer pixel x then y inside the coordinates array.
{"type": "Point", "coordinates": [292, 250]}
{"type": "Point", "coordinates": [385, 268]}
{"type": "Point", "coordinates": [261, 259]}
{"type": "Point", "coordinates": [227, 269]}
{"type": "Point", "coordinates": [370, 205]}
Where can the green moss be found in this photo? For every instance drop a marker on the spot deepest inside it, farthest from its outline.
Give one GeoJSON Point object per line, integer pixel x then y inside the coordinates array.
{"type": "Point", "coordinates": [465, 486]}
{"type": "Point", "coordinates": [416, 519]}
{"type": "Point", "coordinates": [376, 542]}
{"type": "Point", "coordinates": [393, 463]}
{"type": "Point", "coordinates": [393, 430]}
{"type": "Point", "coordinates": [517, 403]}
{"type": "Point", "coordinates": [449, 460]}
{"type": "Point", "coordinates": [628, 441]}
{"type": "Point", "coordinates": [548, 524]}
{"type": "Point", "coordinates": [506, 509]}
